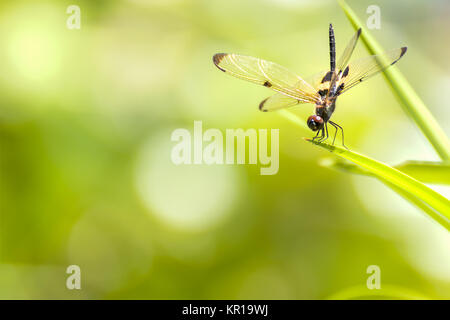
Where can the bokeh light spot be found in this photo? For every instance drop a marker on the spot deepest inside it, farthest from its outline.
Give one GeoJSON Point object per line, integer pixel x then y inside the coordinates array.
{"type": "Point", "coordinates": [190, 197]}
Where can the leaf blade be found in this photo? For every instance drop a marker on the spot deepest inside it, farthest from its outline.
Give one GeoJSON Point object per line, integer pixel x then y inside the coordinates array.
{"type": "Point", "coordinates": [424, 171]}
{"type": "Point", "coordinates": [400, 180]}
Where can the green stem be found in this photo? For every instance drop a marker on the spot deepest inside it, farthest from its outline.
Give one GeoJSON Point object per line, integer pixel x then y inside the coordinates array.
{"type": "Point", "coordinates": [411, 102]}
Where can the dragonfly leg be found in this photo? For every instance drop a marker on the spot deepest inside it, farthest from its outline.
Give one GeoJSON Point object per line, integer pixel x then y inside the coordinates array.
{"type": "Point", "coordinates": [317, 134]}
{"type": "Point", "coordinates": [325, 135]}
{"type": "Point", "coordinates": [342, 130]}
{"type": "Point", "coordinates": [335, 132]}
{"type": "Point", "coordinates": [322, 131]}
{"type": "Point", "coordinates": [321, 137]}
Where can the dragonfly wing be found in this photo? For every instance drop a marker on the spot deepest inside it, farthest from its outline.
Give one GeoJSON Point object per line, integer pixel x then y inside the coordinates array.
{"type": "Point", "coordinates": [319, 79]}
{"type": "Point", "coordinates": [345, 57]}
{"type": "Point", "coordinates": [364, 68]}
{"type": "Point", "coordinates": [268, 74]}
{"type": "Point", "coordinates": [278, 101]}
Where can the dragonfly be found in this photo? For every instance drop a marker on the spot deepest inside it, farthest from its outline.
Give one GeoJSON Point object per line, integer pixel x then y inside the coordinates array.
{"type": "Point", "coordinates": [321, 89]}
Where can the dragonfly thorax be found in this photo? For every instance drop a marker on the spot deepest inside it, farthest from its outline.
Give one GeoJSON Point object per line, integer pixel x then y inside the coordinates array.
{"type": "Point", "coordinates": [326, 109]}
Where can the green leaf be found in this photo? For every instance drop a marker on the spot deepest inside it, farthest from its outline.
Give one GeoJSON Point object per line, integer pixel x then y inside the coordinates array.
{"type": "Point", "coordinates": [420, 204]}
{"type": "Point", "coordinates": [437, 206]}
{"type": "Point", "coordinates": [411, 102]}
{"type": "Point", "coordinates": [425, 171]}
{"type": "Point", "coordinates": [433, 172]}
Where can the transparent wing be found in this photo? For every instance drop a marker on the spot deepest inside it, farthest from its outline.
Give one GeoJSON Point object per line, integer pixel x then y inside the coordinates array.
{"type": "Point", "coordinates": [345, 57]}
{"type": "Point", "coordinates": [364, 68]}
{"type": "Point", "coordinates": [319, 79]}
{"type": "Point", "coordinates": [280, 101]}
{"type": "Point", "coordinates": [268, 74]}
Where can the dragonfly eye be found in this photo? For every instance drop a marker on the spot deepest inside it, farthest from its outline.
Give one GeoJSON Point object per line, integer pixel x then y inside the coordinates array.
{"type": "Point", "coordinates": [315, 122]}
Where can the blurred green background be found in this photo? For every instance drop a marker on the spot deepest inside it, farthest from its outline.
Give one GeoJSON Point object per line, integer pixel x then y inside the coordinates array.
{"type": "Point", "coordinates": [86, 177]}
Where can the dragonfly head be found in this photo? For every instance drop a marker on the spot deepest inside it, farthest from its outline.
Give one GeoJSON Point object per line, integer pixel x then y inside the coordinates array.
{"type": "Point", "coordinates": [315, 122]}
